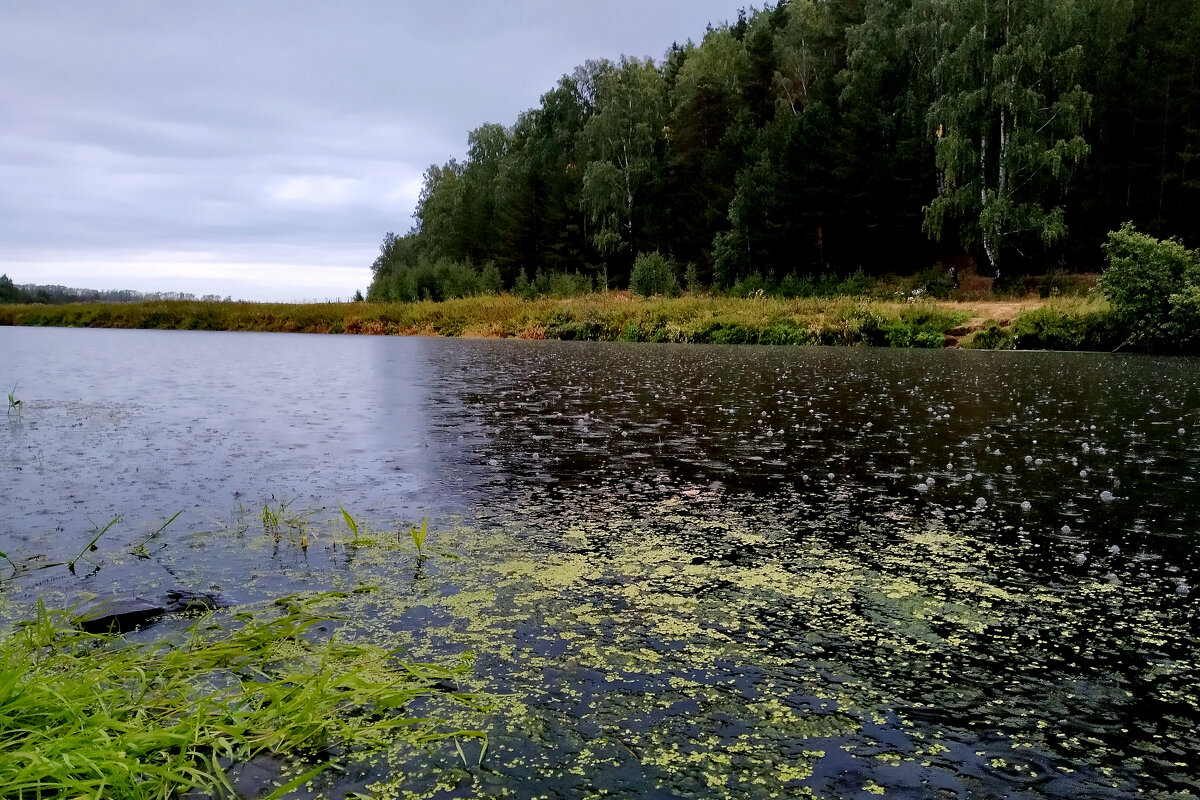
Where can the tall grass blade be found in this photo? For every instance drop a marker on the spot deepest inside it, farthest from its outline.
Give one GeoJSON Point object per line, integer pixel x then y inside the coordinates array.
{"type": "Point", "coordinates": [140, 549]}
{"type": "Point", "coordinates": [92, 544]}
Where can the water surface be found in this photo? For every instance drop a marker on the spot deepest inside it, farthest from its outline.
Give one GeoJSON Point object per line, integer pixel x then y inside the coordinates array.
{"type": "Point", "coordinates": [693, 571]}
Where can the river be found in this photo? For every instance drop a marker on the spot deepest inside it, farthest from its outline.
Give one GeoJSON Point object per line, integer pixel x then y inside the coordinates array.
{"type": "Point", "coordinates": [689, 571]}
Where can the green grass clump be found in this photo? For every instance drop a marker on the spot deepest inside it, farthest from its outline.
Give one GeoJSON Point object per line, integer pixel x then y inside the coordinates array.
{"type": "Point", "coordinates": [1068, 324]}
{"type": "Point", "coordinates": [89, 715]}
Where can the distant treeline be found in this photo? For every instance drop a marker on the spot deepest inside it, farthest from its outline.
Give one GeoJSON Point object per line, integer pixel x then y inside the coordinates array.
{"type": "Point", "coordinates": [54, 295]}
{"type": "Point", "coordinates": [823, 137]}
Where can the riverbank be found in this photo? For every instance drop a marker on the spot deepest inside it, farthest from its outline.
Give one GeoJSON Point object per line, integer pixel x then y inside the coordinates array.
{"type": "Point", "coordinates": [1031, 322]}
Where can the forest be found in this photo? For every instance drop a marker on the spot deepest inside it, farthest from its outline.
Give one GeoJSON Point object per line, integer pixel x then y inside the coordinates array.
{"type": "Point", "coordinates": [827, 139]}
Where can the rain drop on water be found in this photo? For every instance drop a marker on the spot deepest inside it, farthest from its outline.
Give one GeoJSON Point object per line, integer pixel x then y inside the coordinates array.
{"type": "Point", "coordinates": [1080, 558]}
{"type": "Point", "coordinates": [1066, 530]}
{"type": "Point", "coordinates": [980, 502]}
{"type": "Point", "coordinates": [1025, 506]}
{"type": "Point", "coordinates": [1106, 496]}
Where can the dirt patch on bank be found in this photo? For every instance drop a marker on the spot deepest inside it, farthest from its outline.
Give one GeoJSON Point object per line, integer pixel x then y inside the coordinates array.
{"type": "Point", "coordinates": [1003, 311]}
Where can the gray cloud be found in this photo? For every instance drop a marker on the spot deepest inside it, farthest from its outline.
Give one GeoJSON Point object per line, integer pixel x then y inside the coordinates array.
{"type": "Point", "coordinates": [207, 146]}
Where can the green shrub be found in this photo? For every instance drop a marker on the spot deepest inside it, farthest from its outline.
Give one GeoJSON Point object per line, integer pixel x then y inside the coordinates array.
{"type": "Point", "coordinates": [992, 337]}
{"type": "Point", "coordinates": [1052, 329]}
{"type": "Point", "coordinates": [564, 284]}
{"type": "Point", "coordinates": [786, 332]}
{"type": "Point", "coordinates": [489, 279]}
{"type": "Point", "coordinates": [856, 285]}
{"type": "Point", "coordinates": [793, 286]}
{"type": "Point", "coordinates": [933, 282]}
{"type": "Point", "coordinates": [753, 285]}
{"type": "Point", "coordinates": [1148, 282]}
{"type": "Point", "coordinates": [653, 274]}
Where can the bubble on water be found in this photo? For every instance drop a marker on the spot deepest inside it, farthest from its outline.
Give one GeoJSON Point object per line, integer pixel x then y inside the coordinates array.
{"type": "Point", "coordinates": [968, 476]}
{"type": "Point", "coordinates": [1080, 558]}
{"type": "Point", "coordinates": [1028, 459]}
{"type": "Point", "coordinates": [1086, 447]}
{"type": "Point", "coordinates": [1182, 590]}
{"type": "Point", "coordinates": [1182, 431]}
{"type": "Point", "coordinates": [921, 487]}
{"type": "Point", "coordinates": [1101, 451]}
{"type": "Point", "coordinates": [1113, 549]}
{"type": "Point", "coordinates": [1037, 462]}
{"type": "Point", "coordinates": [1106, 496]}
{"type": "Point", "coordinates": [830, 476]}
{"type": "Point", "coordinates": [980, 502]}
{"type": "Point", "coordinates": [929, 481]}
{"type": "Point", "coordinates": [1066, 530]}
{"type": "Point", "coordinates": [1083, 473]}
{"type": "Point", "coordinates": [493, 462]}
{"type": "Point", "coordinates": [1008, 468]}
{"type": "Point", "coordinates": [1025, 506]}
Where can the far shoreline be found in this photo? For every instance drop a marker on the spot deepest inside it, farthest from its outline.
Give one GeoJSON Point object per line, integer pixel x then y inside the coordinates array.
{"type": "Point", "coordinates": [617, 316]}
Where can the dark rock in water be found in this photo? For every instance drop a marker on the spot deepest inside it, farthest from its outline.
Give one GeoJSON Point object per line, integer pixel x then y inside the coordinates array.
{"type": "Point", "coordinates": [118, 615]}
{"type": "Point", "coordinates": [123, 614]}
{"type": "Point", "coordinates": [181, 601]}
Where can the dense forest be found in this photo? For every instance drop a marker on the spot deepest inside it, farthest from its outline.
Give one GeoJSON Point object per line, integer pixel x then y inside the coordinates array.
{"type": "Point", "coordinates": [828, 137]}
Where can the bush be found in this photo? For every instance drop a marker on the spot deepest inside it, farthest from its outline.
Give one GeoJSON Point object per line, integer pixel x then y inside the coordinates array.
{"type": "Point", "coordinates": [752, 285]}
{"type": "Point", "coordinates": [793, 286]}
{"type": "Point", "coordinates": [1149, 282]}
{"type": "Point", "coordinates": [653, 274]}
{"type": "Point", "coordinates": [992, 337]}
{"type": "Point", "coordinates": [933, 282]}
{"type": "Point", "coordinates": [855, 285]}
{"type": "Point", "coordinates": [489, 279]}
{"type": "Point", "coordinates": [1049, 328]}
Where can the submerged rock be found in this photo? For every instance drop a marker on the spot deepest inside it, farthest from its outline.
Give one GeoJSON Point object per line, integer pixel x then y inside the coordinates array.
{"type": "Point", "coordinates": [124, 614]}
{"type": "Point", "coordinates": [119, 615]}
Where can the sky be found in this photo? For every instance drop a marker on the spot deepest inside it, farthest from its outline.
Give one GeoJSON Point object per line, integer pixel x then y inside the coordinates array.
{"type": "Point", "coordinates": [261, 149]}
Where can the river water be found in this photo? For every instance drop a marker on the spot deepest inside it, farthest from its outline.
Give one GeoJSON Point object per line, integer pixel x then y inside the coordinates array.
{"type": "Point", "coordinates": [686, 571]}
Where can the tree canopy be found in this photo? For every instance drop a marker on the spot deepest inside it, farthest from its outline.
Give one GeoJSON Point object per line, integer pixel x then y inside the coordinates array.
{"type": "Point", "coordinates": [831, 136]}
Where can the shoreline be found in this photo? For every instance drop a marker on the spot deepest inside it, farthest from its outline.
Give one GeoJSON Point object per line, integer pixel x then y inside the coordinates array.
{"type": "Point", "coordinates": [616, 316]}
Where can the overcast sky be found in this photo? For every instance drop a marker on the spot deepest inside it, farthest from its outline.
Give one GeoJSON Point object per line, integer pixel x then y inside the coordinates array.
{"type": "Point", "coordinates": [262, 149]}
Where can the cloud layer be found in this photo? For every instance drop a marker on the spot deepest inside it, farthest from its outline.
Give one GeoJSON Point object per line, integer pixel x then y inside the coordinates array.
{"type": "Point", "coordinates": [262, 149]}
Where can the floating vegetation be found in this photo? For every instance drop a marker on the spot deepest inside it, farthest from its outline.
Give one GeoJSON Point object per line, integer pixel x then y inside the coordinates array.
{"type": "Point", "coordinates": [92, 715]}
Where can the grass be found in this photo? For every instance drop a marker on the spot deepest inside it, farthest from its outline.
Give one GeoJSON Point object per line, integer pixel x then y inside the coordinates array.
{"type": "Point", "coordinates": [1070, 322]}
{"type": "Point", "coordinates": [13, 403]}
{"type": "Point", "coordinates": [91, 546]}
{"type": "Point", "coordinates": [89, 715]}
{"type": "Point", "coordinates": [606, 317]}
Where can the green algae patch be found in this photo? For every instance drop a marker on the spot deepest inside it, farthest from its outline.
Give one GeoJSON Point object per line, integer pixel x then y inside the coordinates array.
{"type": "Point", "coordinates": [719, 655]}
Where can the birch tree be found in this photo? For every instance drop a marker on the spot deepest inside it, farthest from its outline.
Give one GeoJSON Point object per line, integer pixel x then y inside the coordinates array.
{"type": "Point", "coordinates": [1007, 121]}
{"type": "Point", "coordinates": [621, 136]}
